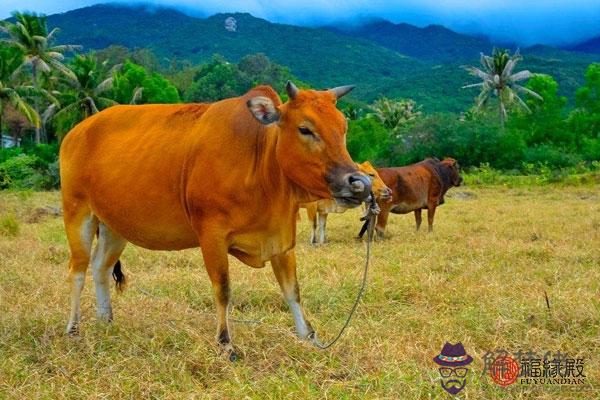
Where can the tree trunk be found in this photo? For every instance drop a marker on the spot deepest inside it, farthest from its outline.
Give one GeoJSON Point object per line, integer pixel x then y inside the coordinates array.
{"type": "Point", "coordinates": [1, 141]}
{"type": "Point", "coordinates": [36, 103]}
{"type": "Point", "coordinates": [501, 111]}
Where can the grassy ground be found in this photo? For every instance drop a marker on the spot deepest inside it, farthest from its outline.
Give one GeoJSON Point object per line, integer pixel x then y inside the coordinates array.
{"type": "Point", "coordinates": [479, 279]}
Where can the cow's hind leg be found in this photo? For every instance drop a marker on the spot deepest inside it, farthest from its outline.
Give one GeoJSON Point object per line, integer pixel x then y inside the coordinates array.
{"type": "Point", "coordinates": [80, 226]}
{"type": "Point", "coordinates": [105, 262]}
{"type": "Point", "coordinates": [214, 253]}
{"type": "Point", "coordinates": [418, 218]}
{"type": "Point", "coordinates": [311, 213]}
{"type": "Point", "coordinates": [284, 267]}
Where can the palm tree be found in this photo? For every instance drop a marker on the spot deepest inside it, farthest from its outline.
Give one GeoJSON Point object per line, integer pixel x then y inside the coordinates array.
{"type": "Point", "coordinates": [394, 114]}
{"type": "Point", "coordinates": [10, 93]}
{"type": "Point", "coordinates": [498, 79]}
{"type": "Point", "coordinates": [30, 34]}
{"type": "Point", "coordinates": [87, 83]}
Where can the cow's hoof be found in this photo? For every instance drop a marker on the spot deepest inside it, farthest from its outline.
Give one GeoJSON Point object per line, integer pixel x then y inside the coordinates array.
{"type": "Point", "coordinates": [104, 315]}
{"type": "Point", "coordinates": [73, 330]}
{"type": "Point", "coordinates": [229, 352]}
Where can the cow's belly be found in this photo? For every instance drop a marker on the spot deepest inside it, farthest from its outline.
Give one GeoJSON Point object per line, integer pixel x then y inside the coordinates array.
{"type": "Point", "coordinates": [146, 221]}
{"type": "Point", "coordinates": [330, 206]}
{"type": "Point", "coordinates": [405, 208]}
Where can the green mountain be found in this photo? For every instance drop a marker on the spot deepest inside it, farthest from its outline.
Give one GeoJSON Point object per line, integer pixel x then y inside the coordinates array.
{"type": "Point", "coordinates": [589, 46]}
{"type": "Point", "coordinates": [318, 56]}
{"type": "Point", "coordinates": [380, 57]}
{"type": "Point", "coordinates": [433, 43]}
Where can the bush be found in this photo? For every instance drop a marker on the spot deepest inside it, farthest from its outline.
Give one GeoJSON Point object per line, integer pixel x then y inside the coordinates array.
{"type": "Point", "coordinates": [550, 155]}
{"type": "Point", "coordinates": [28, 172]}
{"type": "Point", "coordinates": [9, 226]}
{"type": "Point", "coordinates": [367, 139]}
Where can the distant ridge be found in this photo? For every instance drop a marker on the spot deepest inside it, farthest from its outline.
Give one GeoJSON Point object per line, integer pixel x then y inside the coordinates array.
{"type": "Point", "coordinates": [433, 43]}
{"type": "Point", "coordinates": [591, 46]}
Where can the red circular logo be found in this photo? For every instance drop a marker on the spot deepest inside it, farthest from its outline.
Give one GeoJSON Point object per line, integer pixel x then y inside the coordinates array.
{"type": "Point", "coordinates": [504, 371]}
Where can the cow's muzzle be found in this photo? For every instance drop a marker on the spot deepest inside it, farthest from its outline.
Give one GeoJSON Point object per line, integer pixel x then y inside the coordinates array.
{"type": "Point", "coordinates": [384, 194]}
{"type": "Point", "coordinates": [356, 188]}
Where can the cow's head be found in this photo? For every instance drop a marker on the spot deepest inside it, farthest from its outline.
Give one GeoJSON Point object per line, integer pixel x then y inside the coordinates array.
{"type": "Point", "coordinates": [380, 190]}
{"type": "Point", "coordinates": [311, 147]}
{"type": "Point", "coordinates": [452, 168]}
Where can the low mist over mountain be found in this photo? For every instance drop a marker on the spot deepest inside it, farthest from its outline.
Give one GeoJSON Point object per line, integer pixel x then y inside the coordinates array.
{"type": "Point", "coordinates": [382, 58]}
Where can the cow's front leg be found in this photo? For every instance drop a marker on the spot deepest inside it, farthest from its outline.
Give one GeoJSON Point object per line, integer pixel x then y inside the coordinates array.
{"type": "Point", "coordinates": [322, 228]}
{"type": "Point", "coordinates": [214, 253]}
{"type": "Point", "coordinates": [382, 218]}
{"type": "Point", "coordinates": [430, 214]}
{"type": "Point", "coordinates": [284, 267]}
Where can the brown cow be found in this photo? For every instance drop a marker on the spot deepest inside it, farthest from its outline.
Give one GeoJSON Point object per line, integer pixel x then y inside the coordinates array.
{"type": "Point", "coordinates": [317, 210]}
{"type": "Point", "coordinates": [227, 177]}
{"type": "Point", "coordinates": [417, 187]}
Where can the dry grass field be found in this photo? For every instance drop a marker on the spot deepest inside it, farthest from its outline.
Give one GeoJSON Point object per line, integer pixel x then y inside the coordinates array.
{"type": "Point", "coordinates": [480, 278]}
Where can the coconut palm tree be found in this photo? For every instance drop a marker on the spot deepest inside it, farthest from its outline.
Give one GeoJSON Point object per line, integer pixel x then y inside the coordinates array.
{"type": "Point", "coordinates": [30, 34]}
{"type": "Point", "coordinates": [10, 92]}
{"type": "Point", "coordinates": [394, 114]}
{"type": "Point", "coordinates": [86, 85]}
{"type": "Point", "coordinates": [498, 79]}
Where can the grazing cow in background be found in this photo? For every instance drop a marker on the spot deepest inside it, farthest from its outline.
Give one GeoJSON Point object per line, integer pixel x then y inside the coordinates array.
{"type": "Point", "coordinates": [417, 187]}
{"type": "Point", "coordinates": [317, 210]}
{"type": "Point", "coordinates": [227, 177]}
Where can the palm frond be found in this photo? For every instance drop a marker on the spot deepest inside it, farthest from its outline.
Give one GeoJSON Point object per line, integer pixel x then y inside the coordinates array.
{"type": "Point", "coordinates": [60, 67]}
{"type": "Point", "coordinates": [105, 85]}
{"type": "Point", "coordinates": [65, 48]}
{"type": "Point", "coordinates": [522, 103]}
{"type": "Point", "coordinates": [530, 92]}
{"type": "Point", "coordinates": [137, 95]}
{"type": "Point", "coordinates": [92, 104]}
{"type": "Point", "coordinates": [52, 33]}
{"type": "Point", "coordinates": [105, 102]}
{"type": "Point", "coordinates": [480, 84]}
{"type": "Point", "coordinates": [24, 108]}
{"type": "Point", "coordinates": [520, 76]}
{"type": "Point", "coordinates": [479, 73]}
{"type": "Point", "coordinates": [49, 113]}
{"type": "Point", "coordinates": [68, 109]}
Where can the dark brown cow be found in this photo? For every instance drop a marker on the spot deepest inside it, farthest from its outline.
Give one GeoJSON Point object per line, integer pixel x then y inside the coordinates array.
{"type": "Point", "coordinates": [417, 187]}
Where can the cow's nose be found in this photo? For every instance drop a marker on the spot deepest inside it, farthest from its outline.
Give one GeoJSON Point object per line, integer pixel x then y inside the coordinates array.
{"type": "Point", "coordinates": [360, 185]}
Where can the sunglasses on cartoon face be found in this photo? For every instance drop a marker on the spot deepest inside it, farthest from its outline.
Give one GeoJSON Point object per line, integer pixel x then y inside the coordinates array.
{"type": "Point", "coordinates": [447, 372]}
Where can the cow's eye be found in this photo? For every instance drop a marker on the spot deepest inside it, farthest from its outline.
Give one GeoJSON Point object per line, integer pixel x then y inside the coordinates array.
{"type": "Point", "coordinates": [305, 131]}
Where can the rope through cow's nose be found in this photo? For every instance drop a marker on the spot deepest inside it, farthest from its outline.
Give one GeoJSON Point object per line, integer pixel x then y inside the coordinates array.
{"type": "Point", "coordinates": [370, 214]}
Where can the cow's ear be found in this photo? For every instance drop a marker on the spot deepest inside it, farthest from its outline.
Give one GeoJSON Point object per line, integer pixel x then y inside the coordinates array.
{"type": "Point", "coordinates": [263, 110]}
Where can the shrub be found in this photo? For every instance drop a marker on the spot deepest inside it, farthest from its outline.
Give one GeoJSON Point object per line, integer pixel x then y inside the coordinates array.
{"type": "Point", "coordinates": [9, 226]}
{"type": "Point", "coordinates": [28, 172]}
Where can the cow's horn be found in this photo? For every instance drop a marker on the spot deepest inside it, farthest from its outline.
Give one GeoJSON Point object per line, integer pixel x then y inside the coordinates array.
{"type": "Point", "coordinates": [342, 90]}
{"type": "Point", "coordinates": [291, 89]}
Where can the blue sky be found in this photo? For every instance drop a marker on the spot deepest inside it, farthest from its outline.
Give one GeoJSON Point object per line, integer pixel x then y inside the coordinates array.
{"type": "Point", "coordinates": [524, 21]}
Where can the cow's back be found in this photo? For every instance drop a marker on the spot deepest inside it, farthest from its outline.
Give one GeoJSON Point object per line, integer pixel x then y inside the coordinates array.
{"type": "Point", "coordinates": [410, 186]}
{"type": "Point", "coordinates": [126, 163]}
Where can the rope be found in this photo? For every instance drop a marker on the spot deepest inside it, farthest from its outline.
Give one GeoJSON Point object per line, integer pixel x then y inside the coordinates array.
{"type": "Point", "coordinates": [370, 214]}
{"type": "Point", "coordinates": [369, 225]}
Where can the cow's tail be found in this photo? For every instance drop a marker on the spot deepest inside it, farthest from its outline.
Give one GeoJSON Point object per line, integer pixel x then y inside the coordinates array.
{"type": "Point", "coordinates": [119, 277]}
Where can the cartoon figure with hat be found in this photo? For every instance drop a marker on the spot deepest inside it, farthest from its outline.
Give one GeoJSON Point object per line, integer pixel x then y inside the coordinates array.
{"type": "Point", "coordinates": [452, 361]}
